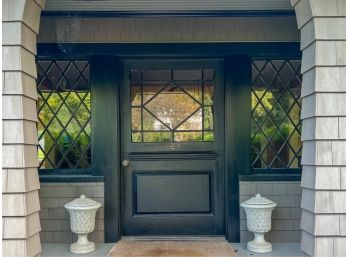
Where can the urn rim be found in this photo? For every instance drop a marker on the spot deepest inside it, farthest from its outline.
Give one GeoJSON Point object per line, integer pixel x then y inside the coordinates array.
{"type": "Point", "coordinates": [258, 201]}
{"type": "Point", "coordinates": [82, 203]}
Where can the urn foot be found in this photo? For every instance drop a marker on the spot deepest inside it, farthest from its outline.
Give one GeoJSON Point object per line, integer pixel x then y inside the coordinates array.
{"type": "Point", "coordinates": [82, 245]}
{"type": "Point", "coordinates": [259, 245]}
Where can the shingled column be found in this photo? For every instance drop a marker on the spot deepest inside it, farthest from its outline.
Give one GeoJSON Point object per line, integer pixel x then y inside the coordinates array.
{"type": "Point", "coordinates": [20, 182]}
{"type": "Point", "coordinates": [322, 26]}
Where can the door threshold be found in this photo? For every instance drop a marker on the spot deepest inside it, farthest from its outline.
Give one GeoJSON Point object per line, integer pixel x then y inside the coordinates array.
{"type": "Point", "coordinates": [174, 238]}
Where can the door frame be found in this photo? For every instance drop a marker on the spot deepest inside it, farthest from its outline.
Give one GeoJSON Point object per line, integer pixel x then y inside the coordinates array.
{"type": "Point", "coordinates": [237, 80]}
{"type": "Point", "coordinates": [104, 60]}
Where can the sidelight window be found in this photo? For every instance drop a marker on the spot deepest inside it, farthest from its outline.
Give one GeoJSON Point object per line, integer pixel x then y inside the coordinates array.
{"type": "Point", "coordinates": [64, 114]}
{"type": "Point", "coordinates": [275, 114]}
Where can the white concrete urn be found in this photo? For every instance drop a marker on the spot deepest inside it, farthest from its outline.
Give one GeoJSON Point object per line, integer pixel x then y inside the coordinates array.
{"type": "Point", "coordinates": [258, 211]}
{"type": "Point", "coordinates": [82, 222]}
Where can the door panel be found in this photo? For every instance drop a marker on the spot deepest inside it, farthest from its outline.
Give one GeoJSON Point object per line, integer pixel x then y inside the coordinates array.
{"type": "Point", "coordinates": [174, 183]}
{"type": "Point", "coordinates": [172, 193]}
{"type": "Point", "coordinates": [176, 192]}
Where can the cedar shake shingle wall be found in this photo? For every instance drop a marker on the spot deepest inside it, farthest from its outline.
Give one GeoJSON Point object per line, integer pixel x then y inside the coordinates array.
{"type": "Point", "coordinates": [20, 182]}
{"type": "Point", "coordinates": [171, 29]}
{"type": "Point", "coordinates": [322, 27]}
{"type": "Point", "coordinates": [55, 223]}
{"type": "Point", "coordinates": [54, 218]}
{"type": "Point", "coordinates": [286, 217]}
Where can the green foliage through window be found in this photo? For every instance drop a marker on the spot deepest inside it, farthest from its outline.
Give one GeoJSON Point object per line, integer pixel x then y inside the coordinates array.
{"type": "Point", "coordinates": [275, 114]}
{"type": "Point", "coordinates": [64, 114]}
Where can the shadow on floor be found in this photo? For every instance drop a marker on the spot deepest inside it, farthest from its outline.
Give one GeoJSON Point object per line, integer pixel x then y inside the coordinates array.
{"type": "Point", "coordinates": [62, 250]}
{"type": "Point", "coordinates": [279, 250]}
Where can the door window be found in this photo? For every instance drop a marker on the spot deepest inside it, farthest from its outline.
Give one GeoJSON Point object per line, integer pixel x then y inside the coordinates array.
{"type": "Point", "coordinates": [172, 105]}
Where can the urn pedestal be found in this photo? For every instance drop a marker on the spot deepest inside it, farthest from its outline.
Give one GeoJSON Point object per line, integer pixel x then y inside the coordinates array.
{"type": "Point", "coordinates": [82, 222]}
{"type": "Point", "coordinates": [258, 211]}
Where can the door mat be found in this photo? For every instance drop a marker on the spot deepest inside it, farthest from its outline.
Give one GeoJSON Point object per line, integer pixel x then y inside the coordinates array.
{"type": "Point", "coordinates": [140, 248]}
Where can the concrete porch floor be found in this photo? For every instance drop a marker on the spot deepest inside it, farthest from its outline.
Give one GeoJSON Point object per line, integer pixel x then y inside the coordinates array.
{"type": "Point", "coordinates": [279, 250]}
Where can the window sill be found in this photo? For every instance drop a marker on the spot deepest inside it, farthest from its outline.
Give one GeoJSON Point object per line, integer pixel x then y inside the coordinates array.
{"type": "Point", "coordinates": [270, 177]}
{"type": "Point", "coordinates": [70, 178]}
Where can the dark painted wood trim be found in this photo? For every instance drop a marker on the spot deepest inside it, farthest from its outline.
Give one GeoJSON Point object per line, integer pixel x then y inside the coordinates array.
{"type": "Point", "coordinates": [183, 13]}
{"type": "Point", "coordinates": [173, 156]}
{"type": "Point", "coordinates": [270, 177]}
{"type": "Point", "coordinates": [237, 135]}
{"type": "Point", "coordinates": [277, 171]}
{"type": "Point", "coordinates": [173, 50]}
{"type": "Point", "coordinates": [106, 138]}
{"type": "Point", "coordinates": [65, 172]}
{"type": "Point", "coordinates": [106, 124]}
{"type": "Point", "coordinates": [70, 178]}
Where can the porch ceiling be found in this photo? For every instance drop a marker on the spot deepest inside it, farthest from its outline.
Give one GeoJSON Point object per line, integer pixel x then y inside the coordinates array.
{"type": "Point", "coordinates": [167, 5]}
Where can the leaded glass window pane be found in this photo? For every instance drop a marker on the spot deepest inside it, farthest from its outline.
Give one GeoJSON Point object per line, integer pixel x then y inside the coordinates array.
{"type": "Point", "coordinates": [64, 114]}
{"type": "Point", "coordinates": [172, 105]}
{"type": "Point", "coordinates": [275, 115]}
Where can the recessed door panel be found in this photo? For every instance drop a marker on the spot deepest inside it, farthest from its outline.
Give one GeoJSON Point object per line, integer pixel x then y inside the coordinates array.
{"type": "Point", "coordinates": [172, 193]}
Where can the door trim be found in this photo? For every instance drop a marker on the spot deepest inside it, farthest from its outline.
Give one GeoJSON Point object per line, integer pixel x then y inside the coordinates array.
{"type": "Point", "coordinates": [106, 138]}
{"type": "Point", "coordinates": [107, 161]}
{"type": "Point", "coordinates": [237, 143]}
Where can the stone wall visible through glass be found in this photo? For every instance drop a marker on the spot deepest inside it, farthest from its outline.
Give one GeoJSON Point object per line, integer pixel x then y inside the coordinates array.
{"type": "Point", "coordinates": [275, 114]}
{"type": "Point", "coordinates": [64, 114]}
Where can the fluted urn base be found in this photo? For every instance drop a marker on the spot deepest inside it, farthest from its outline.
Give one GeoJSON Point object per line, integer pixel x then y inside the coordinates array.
{"type": "Point", "coordinates": [82, 245]}
{"type": "Point", "coordinates": [259, 245]}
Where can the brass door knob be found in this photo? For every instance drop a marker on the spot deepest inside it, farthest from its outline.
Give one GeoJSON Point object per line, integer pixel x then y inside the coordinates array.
{"type": "Point", "coordinates": [125, 163]}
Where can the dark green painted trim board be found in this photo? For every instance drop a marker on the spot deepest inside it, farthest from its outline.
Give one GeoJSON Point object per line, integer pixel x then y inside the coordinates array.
{"type": "Point", "coordinates": [174, 50]}
{"type": "Point", "coordinates": [90, 178]}
{"type": "Point", "coordinates": [64, 172]}
{"type": "Point", "coordinates": [270, 177]}
{"type": "Point", "coordinates": [70, 178]}
{"type": "Point", "coordinates": [106, 138]}
{"type": "Point", "coordinates": [197, 13]}
{"type": "Point", "coordinates": [237, 135]}
{"type": "Point", "coordinates": [276, 171]}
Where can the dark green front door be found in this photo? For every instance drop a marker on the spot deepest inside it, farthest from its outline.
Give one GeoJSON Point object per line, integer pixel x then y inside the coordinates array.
{"type": "Point", "coordinates": [172, 146]}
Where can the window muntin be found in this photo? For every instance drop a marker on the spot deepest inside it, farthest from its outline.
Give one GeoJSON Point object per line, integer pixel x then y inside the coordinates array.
{"type": "Point", "coordinates": [172, 105]}
{"type": "Point", "coordinates": [275, 114]}
{"type": "Point", "coordinates": [64, 114]}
